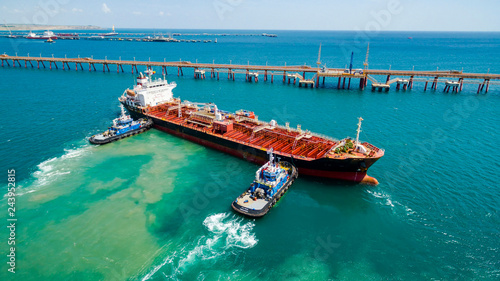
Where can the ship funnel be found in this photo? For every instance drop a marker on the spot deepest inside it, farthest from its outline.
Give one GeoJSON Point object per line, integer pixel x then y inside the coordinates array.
{"type": "Point", "coordinates": [141, 79]}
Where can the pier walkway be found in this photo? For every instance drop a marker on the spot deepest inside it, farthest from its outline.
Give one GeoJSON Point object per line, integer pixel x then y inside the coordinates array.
{"type": "Point", "coordinates": [406, 79]}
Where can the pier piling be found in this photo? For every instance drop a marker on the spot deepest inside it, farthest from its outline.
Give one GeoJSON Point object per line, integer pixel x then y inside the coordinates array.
{"type": "Point", "coordinates": [434, 83]}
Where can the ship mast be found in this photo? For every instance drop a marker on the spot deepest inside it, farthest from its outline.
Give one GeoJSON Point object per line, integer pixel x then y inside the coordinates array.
{"type": "Point", "coordinates": [271, 156]}
{"type": "Point", "coordinates": [358, 130]}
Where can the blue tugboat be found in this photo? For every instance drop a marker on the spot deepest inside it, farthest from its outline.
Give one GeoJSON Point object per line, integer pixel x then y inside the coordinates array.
{"type": "Point", "coordinates": [123, 126]}
{"type": "Point", "coordinates": [271, 182]}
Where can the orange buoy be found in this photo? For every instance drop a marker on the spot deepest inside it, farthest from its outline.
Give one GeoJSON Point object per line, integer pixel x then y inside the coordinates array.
{"type": "Point", "coordinates": [369, 180]}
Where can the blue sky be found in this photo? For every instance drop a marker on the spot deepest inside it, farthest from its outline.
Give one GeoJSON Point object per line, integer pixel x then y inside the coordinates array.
{"type": "Point", "coordinates": [425, 15]}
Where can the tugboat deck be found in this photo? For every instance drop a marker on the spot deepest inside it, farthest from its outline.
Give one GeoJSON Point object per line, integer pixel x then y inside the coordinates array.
{"type": "Point", "coordinates": [249, 203]}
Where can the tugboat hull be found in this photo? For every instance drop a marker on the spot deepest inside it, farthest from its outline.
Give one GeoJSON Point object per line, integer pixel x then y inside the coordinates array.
{"type": "Point", "coordinates": [264, 206]}
{"type": "Point", "coordinates": [142, 129]}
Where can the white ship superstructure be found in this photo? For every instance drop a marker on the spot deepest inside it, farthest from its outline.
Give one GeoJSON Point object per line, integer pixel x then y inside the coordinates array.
{"type": "Point", "coordinates": [148, 92]}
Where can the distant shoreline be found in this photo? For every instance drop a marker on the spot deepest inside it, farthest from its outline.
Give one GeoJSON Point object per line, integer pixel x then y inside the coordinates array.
{"type": "Point", "coordinates": [28, 27]}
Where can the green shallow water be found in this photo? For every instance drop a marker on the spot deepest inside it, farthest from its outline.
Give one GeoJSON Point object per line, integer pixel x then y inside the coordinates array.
{"type": "Point", "coordinates": [156, 207]}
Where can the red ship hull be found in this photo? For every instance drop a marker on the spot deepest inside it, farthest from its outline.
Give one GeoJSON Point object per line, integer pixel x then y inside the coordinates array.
{"type": "Point", "coordinates": [356, 176]}
{"type": "Point", "coordinates": [343, 168]}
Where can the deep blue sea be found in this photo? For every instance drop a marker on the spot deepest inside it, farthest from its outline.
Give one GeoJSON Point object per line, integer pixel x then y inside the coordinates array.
{"type": "Point", "coordinates": [145, 208]}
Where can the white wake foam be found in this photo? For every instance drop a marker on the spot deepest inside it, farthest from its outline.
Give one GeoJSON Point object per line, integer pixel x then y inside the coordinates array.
{"type": "Point", "coordinates": [385, 199]}
{"type": "Point", "coordinates": [225, 233]}
{"type": "Point", "coordinates": [53, 168]}
{"type": "Point", "coordinates": [237, 234]}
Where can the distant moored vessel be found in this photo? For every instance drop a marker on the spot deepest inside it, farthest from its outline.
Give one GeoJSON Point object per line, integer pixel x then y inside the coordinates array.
{"type": "Point", "coordinates": [46, 35]}
{"type": "Point", "coordinates": [112, 33]}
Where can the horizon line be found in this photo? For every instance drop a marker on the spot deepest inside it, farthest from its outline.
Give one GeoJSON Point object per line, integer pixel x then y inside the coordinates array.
{"type": "Point", "coordinates": [182, 28]}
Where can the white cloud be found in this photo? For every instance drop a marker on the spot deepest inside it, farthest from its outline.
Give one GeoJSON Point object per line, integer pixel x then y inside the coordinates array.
{"type": "Point", "coordinates": [137, 13]}
{"type": "Point", "coordinates": [75, 10]}
{"type": "Point", "coordinates": [161, 13]}
{"type": "Point", "coordinates": [105, 8]}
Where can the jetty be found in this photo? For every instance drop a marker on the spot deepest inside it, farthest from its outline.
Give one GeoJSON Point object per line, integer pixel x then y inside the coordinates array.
{"type": "Point", "coordinates": [403, 79]}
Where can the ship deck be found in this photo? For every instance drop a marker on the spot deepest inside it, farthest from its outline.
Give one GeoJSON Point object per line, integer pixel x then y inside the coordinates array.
{"type": "Point", "coordinates": [260, 135]}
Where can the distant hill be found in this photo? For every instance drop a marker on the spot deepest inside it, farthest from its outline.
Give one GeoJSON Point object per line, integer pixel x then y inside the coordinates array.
{"type": "Point", "coordinates": [13, 26]}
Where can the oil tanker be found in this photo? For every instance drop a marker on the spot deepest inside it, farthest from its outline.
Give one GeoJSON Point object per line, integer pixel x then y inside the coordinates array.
{"type": "Point", "coordinates": [243, 135]}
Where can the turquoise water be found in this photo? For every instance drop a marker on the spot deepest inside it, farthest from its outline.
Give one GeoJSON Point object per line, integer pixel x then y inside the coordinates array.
{"type": "Point", "coordinates": [156, 207]}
